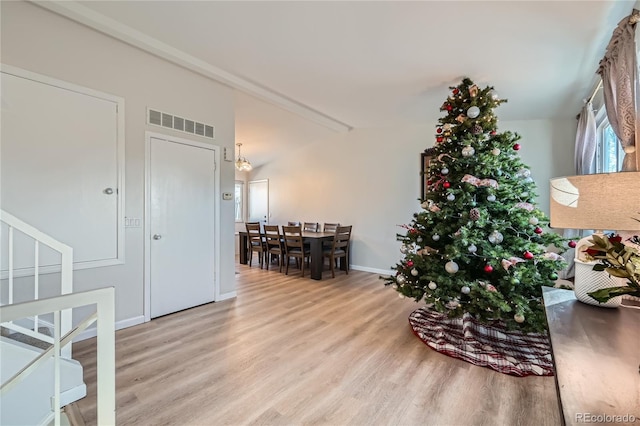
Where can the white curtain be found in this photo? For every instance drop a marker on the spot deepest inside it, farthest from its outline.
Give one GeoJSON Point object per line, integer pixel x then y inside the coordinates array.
{"type": "Point", "coordinates": [585, 151]}
{"type": "Point", "coordinates": [586, 141]}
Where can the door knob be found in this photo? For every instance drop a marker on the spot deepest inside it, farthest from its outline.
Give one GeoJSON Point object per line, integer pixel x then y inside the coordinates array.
{"type": "Point", "coordinates": [108, 191]}
{"type": "Point", "coordinates": [157, 236]}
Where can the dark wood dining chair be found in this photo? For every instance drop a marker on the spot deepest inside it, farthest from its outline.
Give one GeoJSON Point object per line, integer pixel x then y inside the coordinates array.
{"type": "Point", "coordinates": [311, 226]}
{"type": "Point", "coordinates": [256, 241]}
{"type": "Point", "coordinates": [275, 245]}
{"type": "Point", "coordinates": [330, 227]}
{"type": "Point", "coordinates": [293, 223]}
{"type": "Point", "coordinates": [294, 247]}
{"type": "Point", "coordinates": [339, 249]}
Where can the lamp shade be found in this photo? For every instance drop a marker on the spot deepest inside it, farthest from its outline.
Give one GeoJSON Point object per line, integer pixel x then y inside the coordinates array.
{"type": "Point", "coordinates": [605, 201]}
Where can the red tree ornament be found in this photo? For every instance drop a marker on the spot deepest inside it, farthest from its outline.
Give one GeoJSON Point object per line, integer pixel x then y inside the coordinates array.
{"type": "Point", "coordinates": [572, 244]}
{"type": "Point", "coordinates": [439, 130]}
{"type": "Point", "coordinates": [456, 91]}
{"type": "Point", "coordinates": [449, 107]}
{"type": "Point", "coordinates": [488, 268]}
{"type": "Point", "coordinates": [446, 184]}
{"type": "Point", "coordinates": [410, 263]}
{"type": "Point", "coordinates": [516, 147]}
{"type": "Point", "coordinates": [538, 230]}
{"type": "Point", "coordinates": [439, 139]}
{"type": "Point", "coordinates": [528, 255]}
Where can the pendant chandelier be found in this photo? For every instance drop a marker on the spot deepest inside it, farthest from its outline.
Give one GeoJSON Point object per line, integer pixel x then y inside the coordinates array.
{"type": "Point", "coordinates": [242, 164]}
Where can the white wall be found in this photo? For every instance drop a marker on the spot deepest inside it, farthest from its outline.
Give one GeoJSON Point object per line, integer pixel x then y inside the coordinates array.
{"type": "Point", "coordinates": [370, 178]}
{"type": "Point", "coordinates": [548, 148]}
{"type": "Point", "coordinates": [40, 41]}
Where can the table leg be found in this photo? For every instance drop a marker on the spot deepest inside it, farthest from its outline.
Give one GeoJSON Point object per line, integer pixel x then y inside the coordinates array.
{"type": "Point", "coordinates": [316, 258]}
{"type": "Point", "coordinates": [243, 248]}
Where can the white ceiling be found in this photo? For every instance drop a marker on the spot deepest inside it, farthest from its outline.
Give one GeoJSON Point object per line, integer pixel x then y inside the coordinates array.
{"type": "Point", "coordinates": [382, 63]}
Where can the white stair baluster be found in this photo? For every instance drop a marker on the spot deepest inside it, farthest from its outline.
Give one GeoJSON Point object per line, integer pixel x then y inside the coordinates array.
{"type": "Point", "coordinates": [36, 280]}
{"type": "Point", "coordinates": [10, 251]}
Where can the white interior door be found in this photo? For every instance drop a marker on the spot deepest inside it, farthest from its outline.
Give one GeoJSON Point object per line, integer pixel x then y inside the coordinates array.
{"type": "Point", "coordinates": [181, 224]}
{"type": "Point", "coordinates": [259, 201]}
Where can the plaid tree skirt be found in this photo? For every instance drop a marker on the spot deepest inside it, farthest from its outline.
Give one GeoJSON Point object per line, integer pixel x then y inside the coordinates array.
{"type": "Point", "coordinates": [506, 351]}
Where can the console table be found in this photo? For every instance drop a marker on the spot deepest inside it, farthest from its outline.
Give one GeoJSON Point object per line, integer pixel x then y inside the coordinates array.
{"type": "Point", "coordinates": [596, 354]}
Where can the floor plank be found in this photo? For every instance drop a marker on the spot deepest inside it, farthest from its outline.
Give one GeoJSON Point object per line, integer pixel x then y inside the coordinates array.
{"type": "Point", "coordinates": [293, 351]}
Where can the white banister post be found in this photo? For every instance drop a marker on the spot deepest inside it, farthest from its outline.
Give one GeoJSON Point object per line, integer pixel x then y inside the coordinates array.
{"type": "Point", "coordinates": [66, 287]}
{"type": "Point", "coordinates": [56, 367]}
{"type": "Point", "coordinates": [106, 359]}
{"type": "Point", "coordinates": [10, 264]}
{"type": "Point", "coordinates": [36, 280]}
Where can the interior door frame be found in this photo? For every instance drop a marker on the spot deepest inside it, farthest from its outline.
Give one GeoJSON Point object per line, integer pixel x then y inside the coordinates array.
{"type": "Point", "coordinates": [147, 228]}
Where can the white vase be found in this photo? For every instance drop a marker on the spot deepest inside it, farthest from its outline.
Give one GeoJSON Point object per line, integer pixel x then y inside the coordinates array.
{"type": "Point", "coordinates": [587, 281]}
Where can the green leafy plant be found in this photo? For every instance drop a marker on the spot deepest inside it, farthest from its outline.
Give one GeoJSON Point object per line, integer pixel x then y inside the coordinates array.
{"type": "Point", "coordinates": [618, 260]}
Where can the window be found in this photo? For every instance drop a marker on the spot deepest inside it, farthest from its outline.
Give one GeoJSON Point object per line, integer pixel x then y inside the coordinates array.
{"type": "Point", "coordinates": [239, 201]}
{"type": "Point", "coordinates": [609, 153]}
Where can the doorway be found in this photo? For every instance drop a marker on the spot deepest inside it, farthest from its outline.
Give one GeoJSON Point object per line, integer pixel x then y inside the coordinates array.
{"type": "Point", "coordinates": [258, 201]}
{"type": "Point", "coordinates": [180, 224]}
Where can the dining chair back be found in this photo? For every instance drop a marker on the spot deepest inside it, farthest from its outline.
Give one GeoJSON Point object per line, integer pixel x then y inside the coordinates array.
{"type": "Point", "coordinates": [275, 245]}
{"type": "Point", "coordinates": [339, 249]}
{"type": "Point", "coordinates": [256, 241]}
{"type": "Point", "coordinates": [293, 223]}
{"type": "Point", "coordinates": [294, 246]}
{"type": "Point", "coordinates": [311, 226]}
{"type": "Point", "coordinates": [330, 227]}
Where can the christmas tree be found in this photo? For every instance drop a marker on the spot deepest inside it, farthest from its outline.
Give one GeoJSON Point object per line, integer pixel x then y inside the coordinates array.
{"type": "Point", "coordinates": [479, 244]}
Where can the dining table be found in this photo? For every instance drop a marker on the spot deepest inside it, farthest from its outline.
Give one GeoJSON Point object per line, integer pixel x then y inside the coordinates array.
{"type": "Point", "coordinates": [315, 241]}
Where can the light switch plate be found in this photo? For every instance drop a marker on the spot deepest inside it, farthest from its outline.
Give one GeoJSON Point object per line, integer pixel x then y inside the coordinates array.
{"type": "Point", "coordinates": [227, 196]}
{"type": "Point", "coordinates": [226, 155]}
{"type": "Point", "coordinates": [132, 222]}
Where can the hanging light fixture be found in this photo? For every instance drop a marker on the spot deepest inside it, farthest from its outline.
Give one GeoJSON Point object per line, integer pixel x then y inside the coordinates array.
{"type": "Point", "coordinates": [242, 164]}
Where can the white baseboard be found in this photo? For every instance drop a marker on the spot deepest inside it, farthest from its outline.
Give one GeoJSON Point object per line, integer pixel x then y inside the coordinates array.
{"type": "Point", "coordinates": [225, 296]}
{"type": "Point", "coordinates": [374, 270]}
{"type": "Point", "coordinates": [91, 332]}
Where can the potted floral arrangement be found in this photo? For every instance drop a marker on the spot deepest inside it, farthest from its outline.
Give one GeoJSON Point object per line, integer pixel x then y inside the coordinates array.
{"type": "Point", "coordinates": [618, 259]}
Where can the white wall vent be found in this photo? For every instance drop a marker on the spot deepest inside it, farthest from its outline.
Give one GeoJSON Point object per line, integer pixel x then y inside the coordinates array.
{"type": "Point", "coordinates": [162, 119]}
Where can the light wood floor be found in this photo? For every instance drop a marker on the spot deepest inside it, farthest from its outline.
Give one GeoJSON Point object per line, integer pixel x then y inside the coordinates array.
{"type": "Point", "coordinates": [293, 351]}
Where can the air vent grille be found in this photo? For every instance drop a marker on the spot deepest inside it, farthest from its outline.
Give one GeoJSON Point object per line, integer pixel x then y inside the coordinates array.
{"type": "Point", "coordinates": [155, 117]}
{"type": "Point", "coordinates": [163, 119]}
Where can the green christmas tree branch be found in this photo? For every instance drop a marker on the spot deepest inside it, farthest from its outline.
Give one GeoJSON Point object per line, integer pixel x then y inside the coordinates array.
{"type": "Point", "coordinates": [479, 245]}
